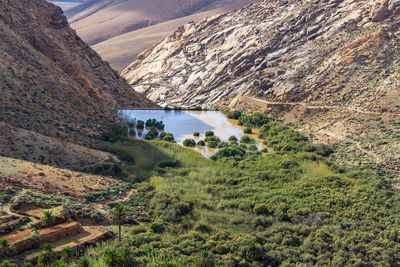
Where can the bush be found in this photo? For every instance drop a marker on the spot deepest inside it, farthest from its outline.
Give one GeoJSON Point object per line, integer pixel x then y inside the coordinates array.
{"type": "Point", "coordinates": [233, 114]}
{"type": "Point", "coordinates": [223, 144]}
{"type": "Point", "coordinates": [209, 133]}
{"type": "Point", "coordinates": [117, 132]}
{"type": "Point", "coordinates": [168, 137]}
{"type": "Point", "coordinates": [228, 152]}
{"type": "Point", "coordinates": [247, 140]}
{"type": "Point", "coordinates": [189, 142]}
{"type": "Point", "coordinates": [198, 108]}
{"type": "Point", "coordinates": [247, 130]}
{"type": "Point", "coordinates": [233, 139]}
{"type": "Point", "coordinates": [255, 120]}
{"type": "Point", "coordinates": [261, 209]}
{"type": "Point", "coordinates": [201, 143]}
{"type": "Point", "coordinates": [157, 227]}
{"type": "Point", "coordinates": [253, 148]}
{"type": "Point", "coordinates": [156, 124]}
{"type": "Point", "coordinates": [213, 139]}
{"type": "Point", "coordinates": [212, 144]}
{"type": "Point", "coordinates": [152, 134]}
{"type": "Point", "coordinates": [140, 125]}
{"type": "Point", "coordinates": [196, 134]}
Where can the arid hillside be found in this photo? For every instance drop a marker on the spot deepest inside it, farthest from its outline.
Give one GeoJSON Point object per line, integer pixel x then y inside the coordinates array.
{"type": "Point", "coordinates": [51, 82]}
{"type": "Point", "coordinates": [99, 21]}
{"type": "Point", "coordinates": [329, 67]}
{"type": "Point", "coordinates": [122, 50]}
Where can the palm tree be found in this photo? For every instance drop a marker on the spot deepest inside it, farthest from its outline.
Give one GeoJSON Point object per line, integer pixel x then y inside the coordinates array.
{"type": "Point", "coordinates": [4, 247]}
{"type": "Point", "coordinates": [67, 254]}
{"type": "Point", "coordinates": [84, 262]}
{"type": "Point", "coordinates": [36, 236]}
{"type": "Point", "coordinates": [111, 258]}
{"type": "Point", "coordinates": [6, 263]}
{"type": "Point", "coordinates": [47, 256]}
{"type": "Point", "coordinates": [48, 218]}
{"type": "Point", "coordinates": [118, 216]}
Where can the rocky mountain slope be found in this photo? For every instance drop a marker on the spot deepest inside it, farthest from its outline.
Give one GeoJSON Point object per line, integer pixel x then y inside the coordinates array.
{"type": "Point", "coordinates": [329, 66]}
{"type": "Point", "coordinates": [99, 22]}
{"type": "Point", "coordinates": [51, 82]}
{"type": "Point", "coordinates": [132, 43]}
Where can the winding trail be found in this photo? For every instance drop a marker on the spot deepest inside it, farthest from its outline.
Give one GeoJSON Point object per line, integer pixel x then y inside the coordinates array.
{"type": "Point", "coordinates": [7, 207]}
{"type": "Point", "coordinates": [306, 105]}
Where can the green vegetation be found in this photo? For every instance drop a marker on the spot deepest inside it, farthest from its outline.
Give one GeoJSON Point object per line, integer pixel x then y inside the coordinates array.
{"type": "Point", "coordinates": [47, 256]}
{"type": "Point", "coordinates": [255, 120]}
{"type": "Point", "coordinates": [152, 134]}
{"type": "Point", "coordinates": [247, 140]}
{"type": "Point", "coordinates": [48, 218]}
{"type": "Point", "coordinates": [235, 114]}
{"type": "Point", "coordinates": [118, 215]}
{"type": "Point", "coordinates": [156, 124]}
{"type": "Point", "coordinates": [247, 130]}
{"type": "Point", "coordinates": [233, 139]}
{"type": "Point", "coordinates": [196, 134]}
{"type": "Point", "coordinates": [289, 208]}
{"type": "Point", "coordinates": [209, 133]}
{"type": "Point", "coordinates": [4, 247]}
{"type": "Point", "coordinates": [189, 142]}
{"type": "Point", "coordinates": [201, 143]}
{"type": "Point", "coordinates": [168, 137]}
{"type": "Point", "coordinates": [140, 125]}
{"type": "Point", "coordinates": [117, 132]}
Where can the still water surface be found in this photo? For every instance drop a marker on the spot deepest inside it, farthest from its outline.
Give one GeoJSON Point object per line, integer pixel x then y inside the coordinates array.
{"type": "Point", "coordinates": [182, 124]}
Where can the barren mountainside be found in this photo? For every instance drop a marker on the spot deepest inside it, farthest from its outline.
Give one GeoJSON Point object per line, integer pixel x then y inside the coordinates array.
{"type": "Point", "coordinates": [51, 82]}
{"type": "Point", "coordinates": [282, 50]}
{"type": "Point", "coordinates": [99, 20]}
{"type": "Point", "coordinates": [328, 67]}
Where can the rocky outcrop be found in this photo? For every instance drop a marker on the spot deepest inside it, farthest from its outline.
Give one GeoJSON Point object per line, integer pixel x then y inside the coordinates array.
{"type": "Point", "coordinates": [51, 82]}
{"type": "Point", "coordinates": [325, 51]}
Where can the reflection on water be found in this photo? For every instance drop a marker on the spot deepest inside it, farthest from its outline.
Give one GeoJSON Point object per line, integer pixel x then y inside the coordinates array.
{"type": "Point", "coordinates": [182, 124]}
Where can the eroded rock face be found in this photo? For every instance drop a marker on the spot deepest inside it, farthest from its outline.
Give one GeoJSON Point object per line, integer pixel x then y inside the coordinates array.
{"type": "Point", "coordinates": [278, 50]}
{"type": "Point", "coordinates": [51, 82]}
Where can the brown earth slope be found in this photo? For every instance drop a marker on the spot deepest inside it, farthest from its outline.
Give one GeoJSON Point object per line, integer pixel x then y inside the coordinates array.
{"type": "Point", "coordinates": [330, 67]}
{"type": "Point", "coordinates": [51, 82]}
{"type": "Point", "coordinates": [99, 20]}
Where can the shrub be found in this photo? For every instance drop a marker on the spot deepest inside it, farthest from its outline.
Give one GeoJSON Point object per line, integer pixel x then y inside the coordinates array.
{"type": "Point", "coordinates": [247, 140]}
{"type": "Point", "coordinates": [152, 134]}
{"type": "Point", "coordinates": [209, 133]}
{"type": "Point", "coordinates": [196, 134]}
{"type": "Point", "coordinates": [247, 130]}
{"type": "Point", "coordinates": [117, 132]}
{"type": "Point", "coordinates": [231, 151]}
{"type": "Point", "coordinates": [201, 143]}
{"type": "Point", "coordinates": [157, 227]}
{"type": "Point", "coordinates": [253, 148]}
{"type": "Point", "coordinates": [233, 139]}
{"type": "Point", "coordinates": [235, 114]}
{"type": "Point", "coordinates": [223, 144]}
{"type": "Point", "coordinates": [189, 142]}
{"type": "Point", "coordinates": [198, 108]}
{"type": "Point", "coordinates": [261, 209]}
{"type": "Point", "coordinates": [140, 125]}
{"type": "Point", "coordinates": [255, 120]}
{"type": "Point", "coordinates": [168, 137]}
{"type": "Point", "coordinates": [212, 144]}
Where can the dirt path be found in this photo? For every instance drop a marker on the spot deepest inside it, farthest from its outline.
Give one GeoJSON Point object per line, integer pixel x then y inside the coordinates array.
{"type": "Point", "coordinates": [7, 207]}
{"type": "Point", "coordinates": [306, 105]}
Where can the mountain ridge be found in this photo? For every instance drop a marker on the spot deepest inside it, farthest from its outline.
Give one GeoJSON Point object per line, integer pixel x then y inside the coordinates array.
{"type": "Point", "coordinates": [52, 82]}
